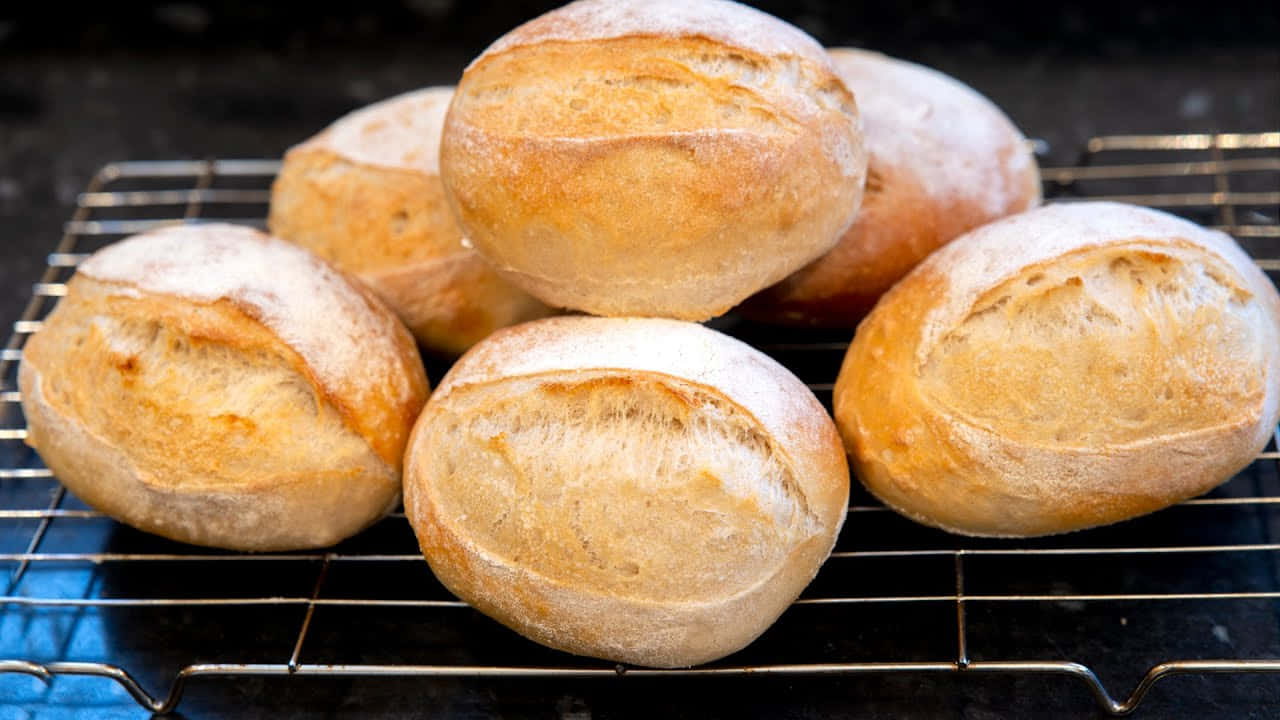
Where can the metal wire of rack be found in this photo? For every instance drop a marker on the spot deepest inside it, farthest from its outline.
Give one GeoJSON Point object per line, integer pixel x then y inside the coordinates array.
{"type": "Point", "coordinates": [67, 565]}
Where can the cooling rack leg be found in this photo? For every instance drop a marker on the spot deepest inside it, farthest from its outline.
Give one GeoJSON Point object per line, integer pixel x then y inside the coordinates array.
{"type": "Point", "coordinates": [1076, 670]}
{"type": "Point", "coordinates": [1104, 699]}
{"type": "Point", "coordinates": [1081, 672]}
{"type": "Point", "coordinates": [26, 668]}
{"type": "Point", "coordinates": [47, 671]}
{"type": "Point", "coordinates": [1188, 667]}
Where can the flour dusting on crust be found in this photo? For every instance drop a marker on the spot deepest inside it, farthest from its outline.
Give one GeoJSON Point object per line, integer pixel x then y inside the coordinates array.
{"type": "Point", "coordinates": [313, 308]}
{"type": "Point", "coordinates": [956, 143]}
{"type": "Point", "coordinates": [718, 20]}
{"type": "Point", "coordinates": [402, 132]}
{"type": "Point", "coordinates": [986, 256]}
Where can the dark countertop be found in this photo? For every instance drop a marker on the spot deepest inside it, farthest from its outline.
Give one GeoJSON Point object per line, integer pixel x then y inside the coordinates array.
{"type": "Point", "coordinates": [195, 81]}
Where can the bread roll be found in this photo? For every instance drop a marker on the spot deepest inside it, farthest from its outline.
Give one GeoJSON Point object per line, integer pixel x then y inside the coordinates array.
{"type": "Point", "coordinates": [943, 160]}
{"type": "Point", "coordinates": [365, 194]}
{"type": "Point", "coordinates": [663, 158]}
{"type": "Point", "coordinates": [642, 490]}
{"type": "Point", "coordinates": [220, 387]}
{"type": "Point", "coordinates": [1067, 367]}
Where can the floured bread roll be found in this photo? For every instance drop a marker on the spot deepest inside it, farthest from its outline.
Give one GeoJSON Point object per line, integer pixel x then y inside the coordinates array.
{"type": "Point", "coordinates": [656, 158]}
{"type": "Point", "coordinates": [365, 194]}
{"type": "Point", "coordinates": [943, 160]}
{"type": "Point", "coordinates": [217, 386]}
{"type": "Point", "coordinates": [1067, 367]}
{"type": "Point", "coordinates": [642, 490]}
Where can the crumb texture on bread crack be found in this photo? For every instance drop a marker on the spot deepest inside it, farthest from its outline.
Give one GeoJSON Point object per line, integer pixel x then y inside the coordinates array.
{"type": "Point", "coordinates": [151, 381]}
{"type": "Point", "coordinates": [652, 159]}
{"type": "Point", "coordinates": [595, 480]}
{"type": "Point", "coordinates": [360, 356]}
{"type": "Point", "coordinates": [1162, 341]}
{"type": "Point", "coordinates": [642, 490]}
{"type": "Point", "coordinates": [685, 86]}
{"type": "Point", "coordinates": [219, 387]}
{"type": "Point", "coordinates": [1064, 368]}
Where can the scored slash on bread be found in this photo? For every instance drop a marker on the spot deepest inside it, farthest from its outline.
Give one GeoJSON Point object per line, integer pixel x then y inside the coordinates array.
{"type": "Point", "coordinates": [641, 490]}
{"type": "Point", "coordinates": [220, 387]}
{"type": "Point", "coordinates": [1064, 368]}
{"type": "Point", "coordinates": [652, 158]}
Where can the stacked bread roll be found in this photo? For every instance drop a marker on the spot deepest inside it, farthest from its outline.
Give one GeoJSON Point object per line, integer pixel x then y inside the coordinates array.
{"type": "Point", "coordinates": [636, 487]}
{"type": "Point", "coordinates": [642, 490]}
{"type": "Point", "coordinates": [943, 160]}
{"type": "Point", "coordinates": [1063, 368]}
{"type": "Point", "coordinates": [667, 159]}
{"type": "Point", "coordinates": [221, 387]}
{"type": "Point", "coordinates": [365, 194]}
{"type": "Point", "coordinates": [660, 158]}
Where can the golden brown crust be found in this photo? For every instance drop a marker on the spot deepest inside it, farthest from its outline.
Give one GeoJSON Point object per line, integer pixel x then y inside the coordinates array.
{"type": "Point", "coordinates": [365, 194]}
{"type": "Point", "coordinates": [350, 345]}
{"type": "Point", "coordinates": [728, 23]}
{"type": "Point", "coordinates": [765, 390]}
{"type": "Point", "coordinates": [1016, 393]}
{"type": "Point", "coordinates": [453, 302]}
{"type": "Point", "coordinates": [363, 219]}
{"type": "Point", "coordinates": [381, 410]}
{"type": "Point", "coordinates": [662, 173]}
{"type": "Point", "coordinates": [943, 160]}
{"type": "Point", "coordinates": [316, 507]}
{"type": "Point", "coordinates": [669, 477]}
{"type": "Point", "coordinates": [170, 399]}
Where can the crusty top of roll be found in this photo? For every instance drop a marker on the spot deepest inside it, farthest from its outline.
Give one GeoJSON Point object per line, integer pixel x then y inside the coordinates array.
{"type": "Point", "coordinates": [637, 159]}
{"type": "Point", "coordinates": [948, 137]}
{"type": "Point", "coordinates": [547, 108]}
{"type": "Point", "coordinates": [1028, 239]}
{"type": "Point", "coordinates": [943, 160]}
{"type": "Point", "coordinates": [726, 22]}
{"type": "Point", "coordinates": [352, 346]}
{"type": "Point", "coordinates": [402, 132]}
{"type": "Point", "coordinates": [1063, 368]}
{"type": "Point", "coordinates": [783, 406]}
{"type": "Point", "coordinates": [636, 489]}
{"type": "Point", "coordinates": [1164, 311]}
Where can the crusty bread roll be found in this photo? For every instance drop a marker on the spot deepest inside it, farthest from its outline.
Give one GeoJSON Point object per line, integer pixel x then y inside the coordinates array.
{"type": "Point", "coordinates": [1063, 368]}
{"type": "Point", "coordinates": [365, 194]}
{"type": "Point", "coordinates": [655, 158]}
{"type": "Point", "coordinates": [220, 387]}
{"type": "Point", "coordinates": [943, 160]}
{"type": "Point", "coordinates": [642, 490]}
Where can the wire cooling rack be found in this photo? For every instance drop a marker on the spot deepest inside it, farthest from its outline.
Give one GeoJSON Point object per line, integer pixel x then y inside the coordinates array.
{"type": "Point", "coordinates": [1191, 590]}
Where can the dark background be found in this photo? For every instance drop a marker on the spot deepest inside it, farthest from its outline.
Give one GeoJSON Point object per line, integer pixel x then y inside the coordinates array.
{"type": "Point", "coordinates": [85, 84]}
